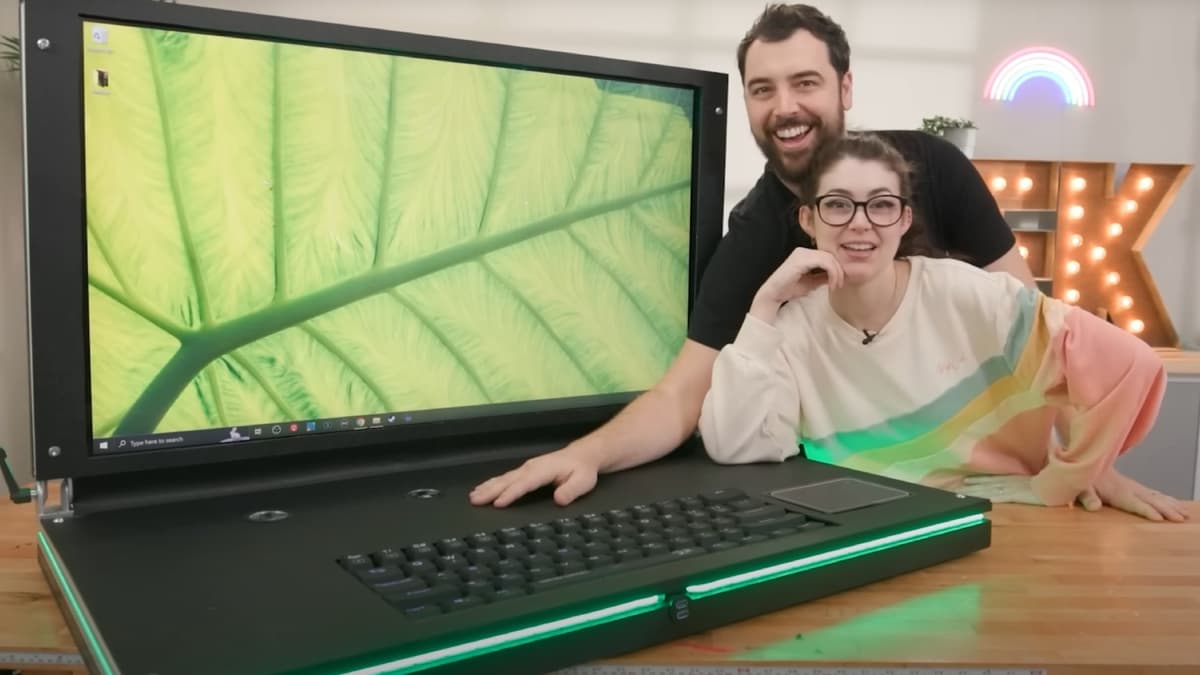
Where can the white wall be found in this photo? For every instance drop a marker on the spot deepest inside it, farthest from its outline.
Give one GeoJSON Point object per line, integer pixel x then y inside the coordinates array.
{"type": "Point", "coordinates": [911, 59]}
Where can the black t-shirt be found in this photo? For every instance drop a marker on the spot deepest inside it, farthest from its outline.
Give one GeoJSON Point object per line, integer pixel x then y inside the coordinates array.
{"type": "Point", "coordinates": [949, 197]}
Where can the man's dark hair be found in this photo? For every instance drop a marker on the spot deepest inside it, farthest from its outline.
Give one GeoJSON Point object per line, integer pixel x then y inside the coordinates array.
{"type": "Point", "coordinates": [778, 22]}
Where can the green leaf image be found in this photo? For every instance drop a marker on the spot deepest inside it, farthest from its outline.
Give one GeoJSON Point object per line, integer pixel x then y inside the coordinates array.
{"type": "Point", "coordinates": [281, 232]}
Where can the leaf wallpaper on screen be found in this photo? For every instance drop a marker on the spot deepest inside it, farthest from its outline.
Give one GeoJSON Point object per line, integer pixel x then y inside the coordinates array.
{"type": "Point", "coordinates": [282, 232]}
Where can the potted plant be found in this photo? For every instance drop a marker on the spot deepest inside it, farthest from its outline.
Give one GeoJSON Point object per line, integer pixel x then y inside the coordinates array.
{"type": "Point", "coordinates": [10, 52]}
{"type": "Point", "coordinates": [958, 130]}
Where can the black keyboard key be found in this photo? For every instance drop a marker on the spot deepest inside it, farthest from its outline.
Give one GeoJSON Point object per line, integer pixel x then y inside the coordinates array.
{"type": "Point", "coordinates": [593, 520]}
{"type": "Point", "coordinates": [572, 540]}
{"type": "Point", "coordinates": [617, 516]}
{"type": "Point", "coordinates": [400, 586]}
{"type": "Point", "coordinates": [462, 603]}
{"type": "Point", "coordinates": [572, 566]}
{"type": "Point", "coordinates": [445, 578]}
{"type": "Point", "coordinates": [512, 535]}
{"type": "Point", "coordinates": [596, 561]}
{"type": "Point", "coordinates": [598, 534]}
{"type": "Point", "coordinates": [539, 530]}
{"type": "Point", "coordinates": [625, 554]}
{"type": "Point", "coordinates": [722, 496]}
{"type": "Point", "coordinates": [419, 568]}
{"type": "Point", "coordinates": [452, 561]}
{"type": "Point", "coordinates": [483, 540]}
{"type": "Point", "coordinates": [480, 588]}
{"type": "Point", "coordinates": [596, 549]}
{"type": "Point", "coordinates": [648, 524]}
{"type": "Point", "coordinates": [483, 556]}
{"type": "Point", "coordinates": [626, 529]}
{"type": "Point", "coordinates": [691, 503]}
{"type": "Point", "coordinates": [568, 526]}
{"type": "Point", "coordinates": [388, 558]}
{"type": "Point", "coordinates": [540, 560]}
{"type": "Point", "coordinates": [422, 611]}
{"type": "Point", "coordinates": [377, 575]}
{"type": "Point", "coordinates": [724, 521]}
{"type": "Point", "coordinates": [424, 596]}
{"type": "Point", "coordinates": [567, 555]}
{"type": "Point", "coordinates": [656, 548]}
{"type": "Point", "coordinates": [539, 573]}
{"type": "Point", "coordinates": [421, 552]}
{"type": "Point", "coordinates": [509, 567]}
{"type": "Point", "coordinates": [357, 561]}
{"type": "Point", "coordinates": [507, 593]}
{"type": "Point", "coordinates": [557, 581]}
{"type": "Point", "coordinates": [681, 542]}
{"type": "Point", "coordinates": [476, 572]}
{"type": "Point", "coordinates": [770, 524]}
{"type": "Point", "coordinates": [510, 581]}
{"type": "Point", "coordinates": [453, 546]}
{"type": "Point", "coordinates": [514, 552]}
{"type": "Point", "coordinates": [668, 506]}
{"type": "Point", "coordinates": [759, 513]}
{"type": "Point", "coordinates": [543, 545]}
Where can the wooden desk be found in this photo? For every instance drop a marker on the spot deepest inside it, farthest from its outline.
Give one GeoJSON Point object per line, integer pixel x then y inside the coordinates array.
{"type": "Point", "coordinates": [1072, 592]}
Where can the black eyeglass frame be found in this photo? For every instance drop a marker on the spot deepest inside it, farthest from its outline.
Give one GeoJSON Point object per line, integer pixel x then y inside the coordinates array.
{"type": "Point", "coordinates": [857, 205]}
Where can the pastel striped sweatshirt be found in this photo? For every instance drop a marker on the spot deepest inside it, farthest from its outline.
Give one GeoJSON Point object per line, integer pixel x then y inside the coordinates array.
{"type": "Point", "coordinates": [968, 377]}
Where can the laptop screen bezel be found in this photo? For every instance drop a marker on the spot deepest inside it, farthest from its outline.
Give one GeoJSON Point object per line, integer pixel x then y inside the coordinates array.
{"type": "Point", "coordinates": [55, 219]}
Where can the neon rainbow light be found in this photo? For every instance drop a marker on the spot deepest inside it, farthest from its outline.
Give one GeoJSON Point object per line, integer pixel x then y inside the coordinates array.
{"type": "Point", "coordinates": [1041, 62]}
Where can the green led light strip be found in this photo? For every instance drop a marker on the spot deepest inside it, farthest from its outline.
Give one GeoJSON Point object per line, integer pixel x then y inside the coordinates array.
{"type": "Point", "coordinates": [516, 637]}
{"type": "Point", "coordinates": [759, 575]}
{"type": "Point", "coordinates": [81, 619]}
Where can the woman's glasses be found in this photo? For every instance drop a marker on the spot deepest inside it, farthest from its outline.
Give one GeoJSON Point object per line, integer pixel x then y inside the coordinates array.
{"type": "Point", "coordinates": [881, 210]}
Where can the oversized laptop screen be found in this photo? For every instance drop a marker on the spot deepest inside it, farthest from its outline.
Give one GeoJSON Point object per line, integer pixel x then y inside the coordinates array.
{"type": "Point", "coordinates": [288, 239]}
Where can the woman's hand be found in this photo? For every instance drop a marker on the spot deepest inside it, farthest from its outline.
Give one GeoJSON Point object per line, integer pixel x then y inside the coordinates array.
{"type": "Point", "coordinates": [1014, 489]}
{"type": "Point", "coordinates": [804, 270]}
{"type": "Point", "coordinates": [1122, 492]}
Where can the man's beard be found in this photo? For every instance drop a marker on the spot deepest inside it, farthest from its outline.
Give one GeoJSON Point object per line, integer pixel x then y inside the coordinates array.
{"type": "Point", "coordinates": [793, 168]}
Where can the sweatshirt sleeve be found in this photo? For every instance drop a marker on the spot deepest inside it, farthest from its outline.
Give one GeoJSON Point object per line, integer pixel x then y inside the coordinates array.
{"type": "Point", "coordinates": [1107, 383]}
{"type": "Point", "coordinates": [751, 412]}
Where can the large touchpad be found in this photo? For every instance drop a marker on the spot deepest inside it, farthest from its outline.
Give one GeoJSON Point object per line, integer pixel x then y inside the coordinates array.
{"type": "Point", "coordinates": [839, 495]}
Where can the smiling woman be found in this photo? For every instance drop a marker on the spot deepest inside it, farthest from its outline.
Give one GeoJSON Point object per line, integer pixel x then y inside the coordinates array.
{"type": "Point", "coordinates": [961, 373]}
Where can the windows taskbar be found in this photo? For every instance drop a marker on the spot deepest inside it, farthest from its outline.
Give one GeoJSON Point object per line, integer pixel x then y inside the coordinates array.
{"type": "Point", "coordinates": [238, 434]}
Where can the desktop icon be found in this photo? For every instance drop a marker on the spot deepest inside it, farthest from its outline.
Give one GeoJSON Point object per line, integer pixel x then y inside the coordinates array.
{"type": "Point", "coordinates": [360, 422]}
{"type": "Point", "coordinates": [100, 35]}
{"type": "Point", "coordinates": [293, 427]}
{"type": "Point", "coordinates": [103, 445]}
{"type": "Point", "coordinates": [310, 426]}
{"type": "Point", "coordinates": [276, 429]}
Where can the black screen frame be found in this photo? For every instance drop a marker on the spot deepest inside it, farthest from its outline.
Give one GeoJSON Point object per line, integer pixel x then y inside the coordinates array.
{"type": "Point", "coordinates": [55, 217]}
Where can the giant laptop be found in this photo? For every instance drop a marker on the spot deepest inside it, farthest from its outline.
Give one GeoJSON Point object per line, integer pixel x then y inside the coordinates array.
{"type": "Point", "coordinates": [295, 288]}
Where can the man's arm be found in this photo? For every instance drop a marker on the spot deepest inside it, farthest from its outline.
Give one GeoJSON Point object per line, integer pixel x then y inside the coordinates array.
{"type": "Point", "coordinates": [651, 426]}
{"type": "Point", "coordinates": [1014, 264]}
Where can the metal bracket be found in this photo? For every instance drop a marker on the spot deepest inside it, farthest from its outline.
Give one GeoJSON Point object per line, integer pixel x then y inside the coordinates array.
{"type": "Point", "coordinates": [65, 508]}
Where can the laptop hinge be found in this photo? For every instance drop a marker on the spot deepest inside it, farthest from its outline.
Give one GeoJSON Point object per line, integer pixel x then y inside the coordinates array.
{"type": "Point", "coordinates": [64, 508]}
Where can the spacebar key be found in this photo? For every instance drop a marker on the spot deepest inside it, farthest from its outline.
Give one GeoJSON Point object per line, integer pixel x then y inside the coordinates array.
{"type": "Point", "coordinates": [423, 597]}
{"type": "Point", "coordinates": [628, 565]}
